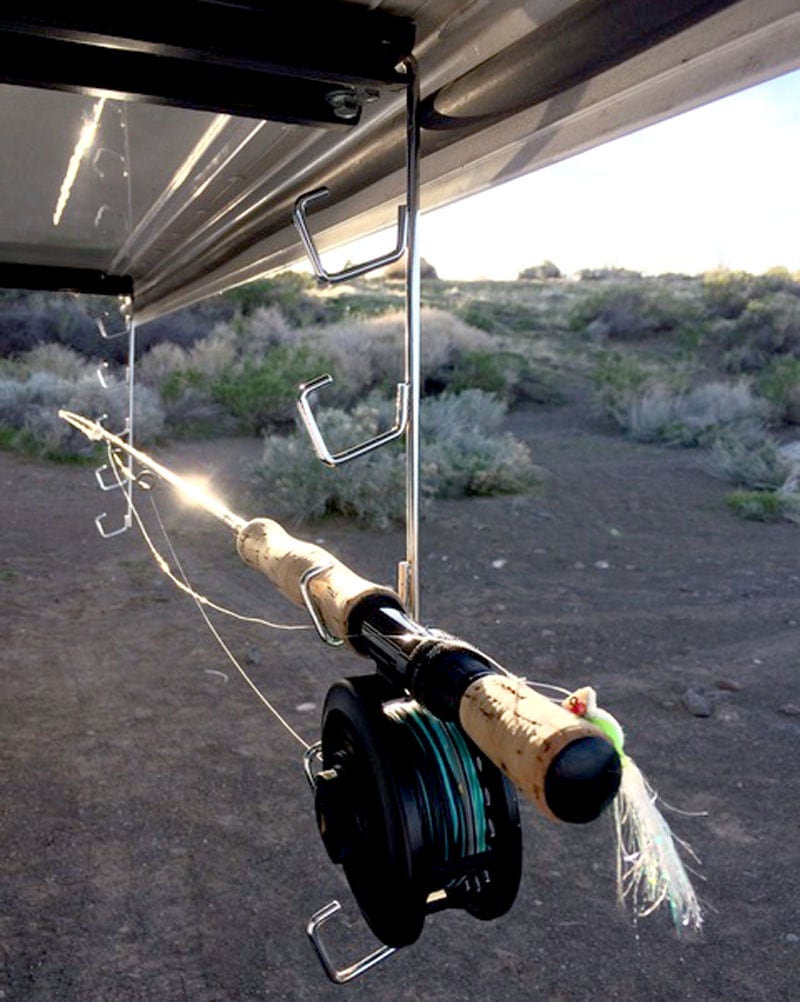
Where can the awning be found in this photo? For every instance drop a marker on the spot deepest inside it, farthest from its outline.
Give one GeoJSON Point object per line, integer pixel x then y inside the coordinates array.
{"type": "Point", "coordinates": [165, 161]}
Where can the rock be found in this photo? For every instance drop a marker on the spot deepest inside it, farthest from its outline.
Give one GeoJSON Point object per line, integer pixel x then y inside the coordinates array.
{"type": "Point", "coordinates": [729, 685]}
{"type": "Point", "coordinates": [790, 710]}
{"type": "Point", "coordinates": [698, 703]}
{"type": "Point", "coordinates": [252, 656]}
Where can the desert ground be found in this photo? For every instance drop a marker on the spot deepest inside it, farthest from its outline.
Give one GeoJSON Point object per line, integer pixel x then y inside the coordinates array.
{"type": "Point", "coordinates": [157, 833]}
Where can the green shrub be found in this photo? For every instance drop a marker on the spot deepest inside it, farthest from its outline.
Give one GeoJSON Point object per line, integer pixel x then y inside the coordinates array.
{"type": "Point", "coordinates": [360, 305]}
{"type": "Point", "coordinates": [463, 452]}
{"type": "Point", "coordinates": [749, 457]}
{"type": "Point", "coordinates": [635, 311]}
{"type": "Point", "coordinates": [779, 383]}
{"type": "Point", "coordinates": [290, 292]}
{"type": "Point", "coordinates": [772, 323]}
{"type": "Point", "coordinates": [546, 271]}
{"type": "Point", "coordinates": [368, 354]}
{"type": "Point", "coordinates": [499, 317]}
{"type": "Point", "coordinates": [508, 375]}
{"type": "Point", "coordinates": [261, 395]}
{"type": "Point", "coordinates": [54, 358]}
{"type": "Point", "coordinates": [692, 417]}
{"type": "Point", "coordinates": [619, 379]}
{"type": "Point", "coordinates": [29, 412]}
{"type": "Point", "coordinates": [727, 293]}
{"type": "Point", "coordinates": [756, 506]}
{"type": "Point", "coordinates": [608, 274]}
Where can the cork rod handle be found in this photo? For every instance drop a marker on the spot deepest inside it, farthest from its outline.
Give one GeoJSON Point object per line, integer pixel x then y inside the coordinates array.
{"type": "Point", "coordinates": [267, 547]}
{"type": "Point", "coordinates": [531, 739]}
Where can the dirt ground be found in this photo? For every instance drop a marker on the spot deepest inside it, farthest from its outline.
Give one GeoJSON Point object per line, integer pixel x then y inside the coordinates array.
{"type": "Point", "coordinates": [157, 834]}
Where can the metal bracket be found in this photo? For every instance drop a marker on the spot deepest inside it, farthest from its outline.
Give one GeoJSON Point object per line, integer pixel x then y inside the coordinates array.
{"type": "Point", "coordinates": [311, 758]}
{"type": "Point", "coordinates": [354, 271]}
{"type": "Point", "coordinates": [127, 522]}
{"type": "Point", "coordinates": [315, 434]}
{"type": "Point", "coordinates": [341, 976]}
{"type": "Point", "coordinates": [308, 600]}
{"type": "Point", "coordinates": [124, 475]}
{"type": "Point", "coordinates": [408, 391]}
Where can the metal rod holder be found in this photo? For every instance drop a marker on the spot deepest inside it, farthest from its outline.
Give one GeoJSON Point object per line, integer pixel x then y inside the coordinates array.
{"type": "Point", "coordinates": [102, 483]}
{"type": "Point", "coordinates": [308, 601]}
{"type": "Point", "coordinates": [127, 522]}
{"type": "Point", "coordinates": [354, 271]}
{"type": "Point", "coordinates": [408, 391]}
{"type": "Point", "coordinates": [124, 477]}
{"type": "Point", "coordinates": [340, 975]}
{"type": "Point", "coordinates": [324, 454]}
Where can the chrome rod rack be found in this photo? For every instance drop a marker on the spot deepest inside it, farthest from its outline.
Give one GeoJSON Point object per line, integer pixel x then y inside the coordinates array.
{"type": "Point", "coordinates": [406, 423]}
{"type": "Point", "coordinates": [124, 479]}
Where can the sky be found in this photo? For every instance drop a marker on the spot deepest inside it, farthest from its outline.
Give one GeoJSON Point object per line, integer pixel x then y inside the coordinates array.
{"type": "Point", "coordinates": [717, 187]}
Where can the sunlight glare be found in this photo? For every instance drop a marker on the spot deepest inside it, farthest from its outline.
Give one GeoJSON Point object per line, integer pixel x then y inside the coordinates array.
{"type": "Point", "coordinates": [84, 144]}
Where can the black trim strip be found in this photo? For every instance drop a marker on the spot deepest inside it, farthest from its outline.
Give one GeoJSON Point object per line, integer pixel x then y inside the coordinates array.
{"type": "Point", "coordinates": [52, 278]}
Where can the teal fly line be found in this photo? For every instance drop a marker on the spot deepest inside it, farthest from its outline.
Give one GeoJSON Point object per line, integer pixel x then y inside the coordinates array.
{"type": "Point", "coordinates": [448, 788]}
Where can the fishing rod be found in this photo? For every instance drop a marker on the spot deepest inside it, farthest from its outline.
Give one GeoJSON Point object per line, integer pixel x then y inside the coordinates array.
{"type": "Point", "coordinates": [457, 705]}
{"type": "Point", "coordinates": [564, 765]}
{"type": "Point", "coordinates": [415, 773]}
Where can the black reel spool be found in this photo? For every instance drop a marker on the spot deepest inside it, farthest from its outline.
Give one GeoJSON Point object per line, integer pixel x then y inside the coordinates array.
{"type": "Point", "coordinates": [418, 817]}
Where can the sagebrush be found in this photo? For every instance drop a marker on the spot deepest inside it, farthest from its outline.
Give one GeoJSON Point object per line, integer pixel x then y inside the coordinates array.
{"type": "Point", "coordinates": [464, 452]}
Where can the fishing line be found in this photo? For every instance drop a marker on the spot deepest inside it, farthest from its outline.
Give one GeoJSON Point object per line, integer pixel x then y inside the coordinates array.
{"type": "Point", "coordinates": [184, 585]}
{"type": "Point", "coordinates": [447, 783]}
{"type": "Point", "coordinates": [521, 681]}
{"type": "Point", "coordinates": [200, 601]}
{"type": "Point", "coordinates": [218, 637]}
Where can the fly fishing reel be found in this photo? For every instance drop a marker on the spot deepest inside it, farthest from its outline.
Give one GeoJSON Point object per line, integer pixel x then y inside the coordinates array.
{"type": "Point", "coordinates": [417, 816]}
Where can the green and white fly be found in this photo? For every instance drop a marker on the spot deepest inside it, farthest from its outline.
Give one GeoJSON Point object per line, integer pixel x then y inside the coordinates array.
{"type": "Point", "coordinates": [650, 871]}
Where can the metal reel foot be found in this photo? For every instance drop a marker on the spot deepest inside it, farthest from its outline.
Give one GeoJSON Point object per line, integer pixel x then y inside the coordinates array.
{"type": "Point", "coordinates": [340, 976]}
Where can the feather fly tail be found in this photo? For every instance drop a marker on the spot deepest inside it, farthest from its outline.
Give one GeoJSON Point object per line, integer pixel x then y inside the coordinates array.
{"type": "Point", "coordinates": [650, 871]}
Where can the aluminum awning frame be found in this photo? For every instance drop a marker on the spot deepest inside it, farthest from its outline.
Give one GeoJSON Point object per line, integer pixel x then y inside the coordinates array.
{"type": "Point", "coordinates": [180, 198]}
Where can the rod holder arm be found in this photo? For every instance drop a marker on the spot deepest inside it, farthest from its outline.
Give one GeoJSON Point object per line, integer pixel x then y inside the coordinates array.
{"type": "Point", "coordinates": [354, 271]}
{"type": "Point", "coordinates": [318, 442]}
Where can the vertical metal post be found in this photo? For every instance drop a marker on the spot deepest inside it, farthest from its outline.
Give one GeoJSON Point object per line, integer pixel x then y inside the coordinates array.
{"type": "Point", "coordinates": [131, 322]}
{"type": "Point", "coordinates": [408, 571]}
{"type": "Point", "coordinates": [125, 484]}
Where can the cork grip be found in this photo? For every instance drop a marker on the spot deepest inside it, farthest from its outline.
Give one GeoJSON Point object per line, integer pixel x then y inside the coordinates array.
{"type": "Point", "coordinates": [267, 547]}
{"type": "Point", "coordinates": [520, 730]}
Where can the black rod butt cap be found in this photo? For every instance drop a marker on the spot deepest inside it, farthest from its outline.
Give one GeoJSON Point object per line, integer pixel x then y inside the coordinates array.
{"type": "Point", "coordinates": [583, 779]}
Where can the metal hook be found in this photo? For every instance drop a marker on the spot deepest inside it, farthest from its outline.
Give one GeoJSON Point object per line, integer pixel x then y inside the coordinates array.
{"type": "Point", "coordinates": [315, 434]}
{"type": "Point", "coordinates": [101, 327]}
{"type": "Point", "coordinates": [100, 153]}
{"type": "Point", "coordinates": [308, 599]}
{"type": "Point", "coordinates": [345, 974]}
{"type": "Point", "coordinates": [104, 486]}
{"type": "Point", "coordinates": [126, 524]}
{"type": "Point", "coordinates": [346, 274]}
{"type": "Point", "coordinates": [311, 758]}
